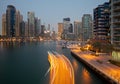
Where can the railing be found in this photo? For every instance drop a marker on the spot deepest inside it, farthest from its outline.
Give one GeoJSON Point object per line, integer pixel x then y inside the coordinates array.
{"type": "Point", "coordinates": [116, 7]}
{"type": "Point", "coordinates": [116, 1]}
{"type": "Point", "coordinates": [116, 26]}
{"type": "Point", "coordinates": [116, 14]}
{"type": "Point", "coordinates": [117, 20]}
{"type": "Point", "coordinates": [118, 33]}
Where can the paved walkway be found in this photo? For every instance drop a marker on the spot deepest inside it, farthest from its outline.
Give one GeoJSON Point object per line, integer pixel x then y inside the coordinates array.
{"type": "Point", "coordinates": [101, 63]}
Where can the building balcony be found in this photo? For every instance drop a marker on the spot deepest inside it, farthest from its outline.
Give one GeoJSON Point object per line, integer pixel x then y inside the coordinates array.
{"type": "Point", "coordinates": [115, 41]}
{"type": "Point", "coordinates": [117, 28]}
{"type": "Point", "coordinates": [103, 28]}
{"type": "Point", "coordinates": [116, 34]}
{"type": "Point", "coordinates": [116, 2]}
{"type": "Point", "coordinates": [116, 8]}
{"type": "Point", "coordinates": [116, 13]}
{"type": "Point", "coordinates": [101, 33]}
{"type": "Point", "coordinates": [94, 31]}
{"type": "Point", "coordinates": [116, 21]}
{"type": "Point", "coordinates": [118, 47]}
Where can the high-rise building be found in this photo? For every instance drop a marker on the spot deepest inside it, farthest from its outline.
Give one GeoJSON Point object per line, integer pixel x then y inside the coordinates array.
{"type": "Point", "coordinates": [70, 29]}
{"type": "Point", "coordinates": [66, 25]}
{"type": "Point", "coordinates": [4, 25]}
{"type": "Point", "coordinates": [60, 29]}
{"type": "Point", "coordinates": [115, 22]}
{"type": "Point", "coordinates": [48, 27]}
{"type": "Point", "coordinates": [31, 24]}
{"type": "Point", "coordinates": [78, 30]}
{"type": "Point", "coordinates": [70, 34]}
{"type": "Point", "coordinates": [26, 29]}
{"type": "Point", "coordinates": [22, 29]}
{"type": "Point", "coordinates": [48, 31]}
{"type": "Point", "coordinates": [42, 29]}
{"type": "Point", "coordinates": [37, 26]}
{"type": "Point", "coordinates": [87, 26]}
{"type": "Point", "coordinates": [18, 20]}
{"type": "Point", "coordinates": [53, 35]}
{"type": "Point", "coordinates": [21, 18]}
{"type": "Point", "coordinates": [10, 21]}
{"type": "Point", "coordinates": [101, 22]}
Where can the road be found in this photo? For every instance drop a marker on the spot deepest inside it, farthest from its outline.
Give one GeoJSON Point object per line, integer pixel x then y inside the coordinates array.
{"type": "Point", "coordinates": [61, 70]}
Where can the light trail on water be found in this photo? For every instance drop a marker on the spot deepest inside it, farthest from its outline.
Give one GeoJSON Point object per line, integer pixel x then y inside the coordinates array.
{"type": "Point", "coordinates": [61, 70]}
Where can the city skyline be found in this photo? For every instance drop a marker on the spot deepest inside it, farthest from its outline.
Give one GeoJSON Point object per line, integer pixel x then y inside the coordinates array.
{"type": "Point", "coordinates": [60, 42]}
{"type": "Point", "coordinates": [51, 12]}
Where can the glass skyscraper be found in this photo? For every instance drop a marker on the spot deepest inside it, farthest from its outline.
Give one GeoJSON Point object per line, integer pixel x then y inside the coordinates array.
{"type": "Point", "coordinates": [87, 26]}
{"type": "Point", "coordinates": [31, 24]}
{"type": "Point", "coordinates": [10, 21]}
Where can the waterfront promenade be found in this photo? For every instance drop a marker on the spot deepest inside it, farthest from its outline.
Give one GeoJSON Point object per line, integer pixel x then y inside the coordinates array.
{"type": "Point", "coordinates": [100, 64]}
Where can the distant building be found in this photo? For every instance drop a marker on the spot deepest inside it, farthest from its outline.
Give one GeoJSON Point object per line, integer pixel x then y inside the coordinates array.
{"type": "Point", "coordinates": [10, 21]}
{"type": "Point", "coordinates": [42, 29]}
{"type": "Point", "coordinates": [70, 29]}
{"type": "Point", "coordinates": [17, 23]}
{"type": "Point", "coordinates": [22, 29]}
{"type": "Point", "coordinates": [53, 35]}
{"type": "Point", "coordinates": [48, 31]}
{"type": "Point", "coordinates": [4, 25]}
{"type": "Point", "coordinates": [101, 22]}
{"type": "Point", "coordinates": [18, 20]}
{"type": "Point", "coordinates": [31, 24]}
{"type": "Point", "coordinates": [60, 29]}
{"type": "Point", "coordinates": [115, 22]}
{"type": "Point", "coordinates": [37, 26]}
{"type": "Point", "coordinates": [66, 26]}
{"type": "Point", "coordinates": [48, 27]}
{"type": "Point", "coordinates": [87, 26]}
{"type": "Point", "coordinates": [78, 30]}
{"type": "Point", "coordinates": [70, 36]}
{"type": "Point", "coordinates": [26, 29]}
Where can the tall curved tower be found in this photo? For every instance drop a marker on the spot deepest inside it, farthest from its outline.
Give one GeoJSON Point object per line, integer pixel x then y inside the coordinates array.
{"type": "Point", "coordinates": [10, 21]}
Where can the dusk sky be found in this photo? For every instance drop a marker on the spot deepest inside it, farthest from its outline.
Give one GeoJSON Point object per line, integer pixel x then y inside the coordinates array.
{"type": "Point", "coordinates": [51, 11]}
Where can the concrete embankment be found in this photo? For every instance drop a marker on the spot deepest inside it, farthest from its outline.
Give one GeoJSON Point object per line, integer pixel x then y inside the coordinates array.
{"type": "Point", "coordinates": [96, 70]}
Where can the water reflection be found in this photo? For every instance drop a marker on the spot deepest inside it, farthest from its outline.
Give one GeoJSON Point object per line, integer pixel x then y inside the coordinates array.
{"type": "Point", "coordinates": [27, 63]}
{"type": "Point", "coordinates": [86, 77]}
{"type": "Point", "coordinates": [61, 70]}
{"type": "Point", "coordinates": [75, 65]}
{"type": "Point", "coordinates": [5, 45]}
{"type": "Point", "coordinates": [82, 76]}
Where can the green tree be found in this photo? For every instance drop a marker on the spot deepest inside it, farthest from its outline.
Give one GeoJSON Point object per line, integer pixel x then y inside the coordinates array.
{"type": "Point", "coordinates": [97, 46]}
{"type": "Point", "coordinates": [107, 48]}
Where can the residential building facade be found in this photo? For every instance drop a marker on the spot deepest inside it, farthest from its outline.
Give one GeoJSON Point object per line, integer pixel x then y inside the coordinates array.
{"type": "Point", "coordinates": [115, 22]}
{"type": "Point", "coordinates": [101, 22]}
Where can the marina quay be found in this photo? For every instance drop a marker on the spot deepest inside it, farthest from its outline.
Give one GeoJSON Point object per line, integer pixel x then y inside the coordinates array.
{"type": "Point", "coordinates": [99, 64]}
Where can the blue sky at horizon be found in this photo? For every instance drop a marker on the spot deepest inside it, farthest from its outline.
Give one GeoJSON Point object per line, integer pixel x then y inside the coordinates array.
{"type": "Point", "coordinates": [51, 11]}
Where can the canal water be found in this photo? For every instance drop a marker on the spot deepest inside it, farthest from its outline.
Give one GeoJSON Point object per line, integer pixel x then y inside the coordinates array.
{"type": "Point", "coordinates": [27, 63]}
